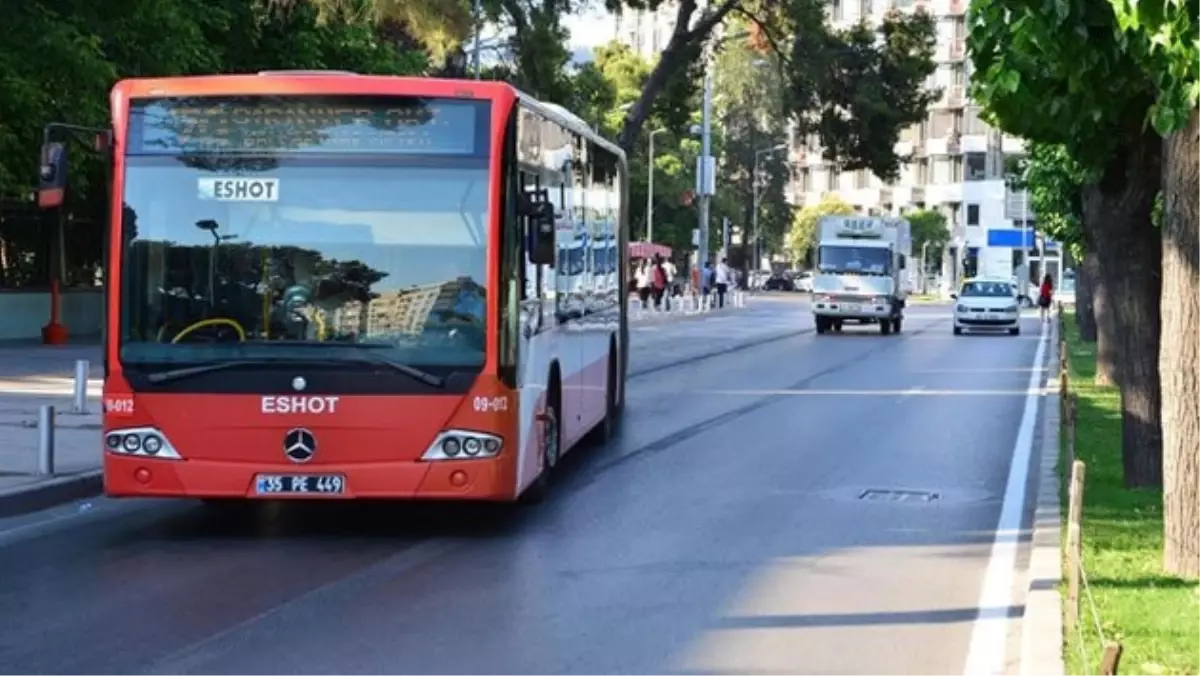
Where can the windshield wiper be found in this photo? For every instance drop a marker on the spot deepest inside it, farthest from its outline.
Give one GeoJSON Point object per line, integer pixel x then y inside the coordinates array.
{"type": "Point", "coordinates": [410, 371]}
{"type": "Point", "coordinates": [365, 358]}
{"type": "Point", "coordinates": [200, 369]}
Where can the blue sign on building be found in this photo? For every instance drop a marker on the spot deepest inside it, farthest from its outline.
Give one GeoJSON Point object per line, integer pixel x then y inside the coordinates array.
{"type": "Point", "coordinates": [1012, 238]}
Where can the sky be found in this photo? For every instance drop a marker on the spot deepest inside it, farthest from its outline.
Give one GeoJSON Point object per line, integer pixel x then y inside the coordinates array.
{"type": "Point", "coordinates": [590, 27]}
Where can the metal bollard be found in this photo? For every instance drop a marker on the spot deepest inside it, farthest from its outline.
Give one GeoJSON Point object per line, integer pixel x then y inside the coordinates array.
{"type": "Point", "coordinates": [46, 440]}
{"type": "Point", "coordinates": [81, 385]}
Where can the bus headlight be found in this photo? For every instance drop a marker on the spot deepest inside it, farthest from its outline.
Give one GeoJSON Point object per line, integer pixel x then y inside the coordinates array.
{"type": "Point", "coordinates": [463, 444]}
{"type": "Point", "coordinates": [147, 442]}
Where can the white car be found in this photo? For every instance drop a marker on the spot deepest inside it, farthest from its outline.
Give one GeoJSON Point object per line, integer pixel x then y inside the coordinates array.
{"type": "Point", "coordinates": [986, 304]}
{"type": "Point", "coordinates": [804, 282]}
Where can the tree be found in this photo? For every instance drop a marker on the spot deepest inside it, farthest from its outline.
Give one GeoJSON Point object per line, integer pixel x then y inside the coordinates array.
{"type": "Point", "coordinates": [601, 89]}
{"type": "Point", "coordinates": [1173, 62]}
{"type": "Point", "coordinates": [1055, 184]}
{"type": "Point", "coordinates": [1058, 74]}
{"type": "Point", "coordinates": [803, 233]}
{"type": "Point", "coordinates": [751, 127]}
{"type": "Point", "coordinates": [929, 234]}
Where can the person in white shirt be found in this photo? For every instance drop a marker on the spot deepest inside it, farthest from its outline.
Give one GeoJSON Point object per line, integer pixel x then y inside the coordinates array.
{"type": "Point", "coordinates": [642, 279]}
{"type": "Point", "coordinates": [723, 278]}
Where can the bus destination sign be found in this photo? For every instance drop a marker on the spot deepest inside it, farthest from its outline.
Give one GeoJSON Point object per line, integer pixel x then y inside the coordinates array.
{"type": "Point", "coordinates": [305, 125]}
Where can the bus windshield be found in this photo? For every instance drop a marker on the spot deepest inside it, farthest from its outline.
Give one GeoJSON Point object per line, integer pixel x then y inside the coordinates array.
{"type": "Point", "coordinates": [233, 252]}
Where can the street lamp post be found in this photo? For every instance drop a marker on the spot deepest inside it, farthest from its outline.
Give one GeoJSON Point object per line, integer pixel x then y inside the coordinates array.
{"type": "Point", "coordinates": [754, 215]}
{"type": "Point", "coordinates": [650, 190]}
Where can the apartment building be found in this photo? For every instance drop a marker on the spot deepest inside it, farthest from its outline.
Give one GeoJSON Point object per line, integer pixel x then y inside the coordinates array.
{"type": "Point", "coordinates": [957, 161]}
{"type": "Point", "coordinates": [646, 31]}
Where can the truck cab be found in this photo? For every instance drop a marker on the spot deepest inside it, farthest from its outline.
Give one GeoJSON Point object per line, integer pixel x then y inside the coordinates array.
{"type": "Point", "coordinates": [861, 274]}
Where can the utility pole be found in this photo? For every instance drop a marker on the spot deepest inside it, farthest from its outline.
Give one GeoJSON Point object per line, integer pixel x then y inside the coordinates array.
{"type": "Point", "coordinates": [703, 175]}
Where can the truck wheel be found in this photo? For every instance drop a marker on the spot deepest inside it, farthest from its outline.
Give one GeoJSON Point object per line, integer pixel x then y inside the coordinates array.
{"type": "Point", "coordinates": [885, 327]}
{"type": "Point", "coordinates": [837, 325]}
{"type": "Point", "coordinates": [896, 324]}
{"type": "Point", "coordinates": [822, 325]}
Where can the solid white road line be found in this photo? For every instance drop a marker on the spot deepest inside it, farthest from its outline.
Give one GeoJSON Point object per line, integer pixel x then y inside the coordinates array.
{"type": "Point", "coordinates": [989, 634]}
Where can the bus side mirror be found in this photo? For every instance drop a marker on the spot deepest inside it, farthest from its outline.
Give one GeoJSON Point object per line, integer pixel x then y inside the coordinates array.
{"type": "Point", "coordinates": [903, 262]}
{"type": "Point", "coordinates": [540, 233]}
{"type": "Point", "coordinates": [52, 176]}
{"type": "Point", "coordinates": [953, 296]}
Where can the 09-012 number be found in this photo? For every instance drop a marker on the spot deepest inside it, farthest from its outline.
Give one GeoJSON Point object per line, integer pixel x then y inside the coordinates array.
{"type": "Point", "coordinates": [491, 404]}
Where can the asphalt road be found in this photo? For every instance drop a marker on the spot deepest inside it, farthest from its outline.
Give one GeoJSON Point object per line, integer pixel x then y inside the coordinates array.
{"type": "Point", "coordinates": [724, 531]}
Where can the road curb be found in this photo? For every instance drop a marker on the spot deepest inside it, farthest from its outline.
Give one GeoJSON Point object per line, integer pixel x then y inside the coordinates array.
{"type": "Point", "coordinates": [1042, 624]}
{"type": "Point", "coordinates": [49, 493]}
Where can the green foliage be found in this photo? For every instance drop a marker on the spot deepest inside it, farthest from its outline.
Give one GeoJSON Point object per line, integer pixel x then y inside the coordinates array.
{"type": "Point", "coordinates": [928, 228]}
{"type": "Point", "coordinates": [750, 125]}
{"type": "Point", "coordinates": [1055, 183]}
{"type": "Point", "coordinates": [1060, 73]}
{"type": "Point", "coordinates": [859, 88]}
{"type": "Point", "coordinates": [801, 236]}
{"type": "Point", "coordinates": [1173, 60]}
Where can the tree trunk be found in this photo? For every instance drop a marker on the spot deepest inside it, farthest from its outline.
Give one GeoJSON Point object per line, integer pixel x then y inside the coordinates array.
{"type": "Point", "coordinates": [1108, 361]}
{"type": "Point", "coordinates": [673, 58]}
{"type": "Point", "coordinates": [1117, 213]}
{"type": "Point", "coordinates": [1179, 356]}
{"type": "Point", "coordinates": [1085, 314]}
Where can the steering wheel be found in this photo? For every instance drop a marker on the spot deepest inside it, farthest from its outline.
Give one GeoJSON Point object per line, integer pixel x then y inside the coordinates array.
{"type": "Point", "coordinates": [222, 327]}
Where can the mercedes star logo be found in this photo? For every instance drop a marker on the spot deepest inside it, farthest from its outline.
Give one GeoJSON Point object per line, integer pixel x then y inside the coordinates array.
{"type": "Point", "coordinates": [299, 383]}
{"type": "Point", "coordinates": [299, 445]}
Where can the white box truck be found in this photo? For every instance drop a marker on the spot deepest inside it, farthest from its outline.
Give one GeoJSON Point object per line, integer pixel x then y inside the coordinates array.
{"type": "Point", "coordinates": [862, 272]}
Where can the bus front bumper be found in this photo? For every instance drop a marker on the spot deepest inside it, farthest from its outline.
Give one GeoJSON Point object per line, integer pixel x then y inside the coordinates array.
{"type": "Point", "coordinates": [483, 479]}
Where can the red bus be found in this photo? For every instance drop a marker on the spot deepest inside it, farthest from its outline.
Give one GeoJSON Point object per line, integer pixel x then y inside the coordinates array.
{"type": "Point", "coordinates": [322, 284]}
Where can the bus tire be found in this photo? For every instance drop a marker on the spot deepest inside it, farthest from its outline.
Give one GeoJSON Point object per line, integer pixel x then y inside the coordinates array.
{"type": "Point", "coordinates": [551, 446]}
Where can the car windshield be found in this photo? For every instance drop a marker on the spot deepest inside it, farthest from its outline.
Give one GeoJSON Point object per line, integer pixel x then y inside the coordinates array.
{"type": "Point", "coordinates": [986, 290]}
{"type": "Point", "coordinates": [857, 260]}
{"type": "Point", "coordinates": [232, 255]}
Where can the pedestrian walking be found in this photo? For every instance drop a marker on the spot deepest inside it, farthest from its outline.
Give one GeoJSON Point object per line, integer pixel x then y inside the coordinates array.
{"type": "Point", "coordinates": [658, 282]}
{"type": "Point", "coordinates": [642, 279]}
{"type": "Point", "coordinates": [1045, 296]}
{"type": "Point", "coordinates": [723, 278]}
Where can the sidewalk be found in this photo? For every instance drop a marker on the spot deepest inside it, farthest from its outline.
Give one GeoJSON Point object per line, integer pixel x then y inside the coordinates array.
{"type": "Point", "coordinates": [685, 307]}
{"type": "Point", "coordinates": [31, 376]}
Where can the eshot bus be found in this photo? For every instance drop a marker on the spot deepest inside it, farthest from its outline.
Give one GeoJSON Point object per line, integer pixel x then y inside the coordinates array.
{"type": "Point", "coordinates": [346, 286]}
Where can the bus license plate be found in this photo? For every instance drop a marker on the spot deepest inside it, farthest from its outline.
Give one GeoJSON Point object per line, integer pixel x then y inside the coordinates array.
{"type": "Point", "coordinates": [299, 484]}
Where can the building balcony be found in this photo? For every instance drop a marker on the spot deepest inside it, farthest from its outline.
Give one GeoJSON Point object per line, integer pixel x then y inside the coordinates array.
{"type": "Point", "coordinates": [944, 193]}
{"type": "Point", "coordinates": [974, 143]}
{"type": "Point", "coordinates": [950, 50]}
{"type": "Point", "coordinates": [953, 96]}
{"type": "Point", "coordinates": [1012, 145]}
{"type": "Point", "coordinates": [951, 144]}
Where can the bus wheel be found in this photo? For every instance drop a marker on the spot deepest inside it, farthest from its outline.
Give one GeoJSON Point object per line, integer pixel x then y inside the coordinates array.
{"type": "Point", "coordinates": [551, 450]}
